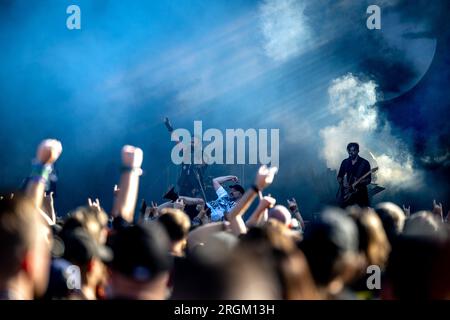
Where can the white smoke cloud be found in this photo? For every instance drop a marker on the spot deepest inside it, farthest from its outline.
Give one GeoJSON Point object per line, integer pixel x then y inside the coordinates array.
{"type": "Point", "coordinates": [284, 27]}
{"type": "Point", "coordinates": [354, 101]}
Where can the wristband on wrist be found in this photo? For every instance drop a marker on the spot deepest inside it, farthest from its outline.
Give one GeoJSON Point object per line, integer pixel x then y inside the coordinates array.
{"type": "Point", "coordinates": [40, 172]}
{"type": "Point", "coordinates": [135, 170]}
{"type": "Point", "coordinates": [255, 188]}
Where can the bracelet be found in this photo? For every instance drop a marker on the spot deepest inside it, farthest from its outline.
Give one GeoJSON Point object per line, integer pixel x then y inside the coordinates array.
{"type": "Point", "coordinates": [136, 170]}
{"type": "Point", "coordinates": [255, 188]}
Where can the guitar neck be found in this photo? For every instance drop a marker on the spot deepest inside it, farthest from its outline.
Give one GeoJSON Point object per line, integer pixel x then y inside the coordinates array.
{"type": "Point", "coordinates": [362, 178]}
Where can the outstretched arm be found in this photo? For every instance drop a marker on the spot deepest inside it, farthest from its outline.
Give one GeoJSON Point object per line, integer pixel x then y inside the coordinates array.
{"type": "Point", "coordinates": [264, 178]}
{"type": "Point", "coordinates": [168, 124]}
{"type": "Point", "coordinates": [237, 224]}
{"type": "Point", "coordinates": [192, 201]}
{"type": "Point", "coordinates": [47, 153]}
{"type": "Point", "coordinates": [125, 199]}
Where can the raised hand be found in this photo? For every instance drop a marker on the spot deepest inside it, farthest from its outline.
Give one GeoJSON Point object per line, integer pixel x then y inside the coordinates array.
{"type": "Point", "coordinates": [152, 211]}
{"type": "Point", "coordinates": [265, 176]}
{"type": "Point", "coordinates": [48, 151]}
{"type": "Point", "coordinates": [132, 157]}
{"type": "Point", "coordinates": [48, 205]}
{"type": "Point", "coordinates": [407, 210]}
{"type": "Point", "coordinates": [116, 190]}
{"type": "Point", "coordinates": [292, 204]}
{"type": "Point", "coordinates": [94, 204]}
{"type": "Point", "coordinates": [267, 202]}
{"type": "Point", "coordinates": [437, 210]}
{"type": "Point", "coordinates": [168, 124]}
{"type": "Point", "coordinates": [126, 197]}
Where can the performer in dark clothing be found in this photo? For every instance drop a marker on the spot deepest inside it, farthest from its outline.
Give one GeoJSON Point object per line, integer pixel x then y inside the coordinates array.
{"type": "Point", "coordinates": [352, 169]}
{"type": "Point", "coordinates": [191, 180]}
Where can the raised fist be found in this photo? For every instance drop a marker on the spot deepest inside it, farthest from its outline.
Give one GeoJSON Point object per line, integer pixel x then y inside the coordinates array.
{"type": "Point", "coordinates": [132, 157]}
{"type": "Point", "coordinates": [264, 177]}
{"type": "Point", "coordinates": [48, 151]}
{"type": "Point", "coordinates": [267, 202]}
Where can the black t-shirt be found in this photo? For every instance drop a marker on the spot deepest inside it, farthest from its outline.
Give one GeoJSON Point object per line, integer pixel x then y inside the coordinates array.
{"type": "Point", "coordinates": [355, 171]}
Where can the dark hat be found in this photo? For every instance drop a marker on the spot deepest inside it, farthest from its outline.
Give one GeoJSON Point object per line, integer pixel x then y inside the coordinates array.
{"type": "Point", "coordinates": [141, 251]}
{"type": "Point", "coordinates": [238, 187]}
{"type": "Point", "coordinates": [326, 240]}
{"type": "Point", "coordinates": [334, 229]}
{"type": "Point", "coordinates": [80, 247]}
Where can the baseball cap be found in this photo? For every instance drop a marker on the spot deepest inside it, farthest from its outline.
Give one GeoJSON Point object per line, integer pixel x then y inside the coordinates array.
{"type": "Point", "coordinates": [141, 251]}
{"type": "Point", "coordinates": [238, 187]}
{"type": "Point", "coordinates": [80, 247]}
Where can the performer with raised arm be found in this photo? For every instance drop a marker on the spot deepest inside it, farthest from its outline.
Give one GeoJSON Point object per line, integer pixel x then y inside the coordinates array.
{"type": "Point", "coordinates": [191, 180]}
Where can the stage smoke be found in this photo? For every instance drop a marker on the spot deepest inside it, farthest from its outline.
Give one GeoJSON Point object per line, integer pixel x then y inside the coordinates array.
{"type": "Point", "coordinates": [284, 27]}
{"type": "Point", "coordinates": [354, 102]}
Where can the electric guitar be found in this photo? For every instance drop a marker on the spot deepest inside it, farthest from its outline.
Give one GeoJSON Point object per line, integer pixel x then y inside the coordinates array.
{"type": "Point", "coordinates": [345, 192]}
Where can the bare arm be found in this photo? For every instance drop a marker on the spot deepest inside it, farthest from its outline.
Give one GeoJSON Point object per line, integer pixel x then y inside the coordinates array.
{"type": "Point", "coordinates": [125, 200]}
{"type": "Point", "coordinates": [293, 207]}
{"type": "Point", "coordinates": [217, 182]}
{"type": "Point", "coordinates": [178, 204]}
{"type": "Point", "coordinates": [35, 191]}
{"type": "Point", "coordinates": [264, 178]}
{"type": "Point", "coordinates": [48, 206]}
{"type": "Point", "coordinates": [47, 153]}
{"type": "Point", "coordinates": [191, 201]}
{"type": "Point", "coordinates": [260, 215]}
{"type": "Point", "coordinates": [235, 217]}
{"type": "Point", "coordinates": [168, 204]}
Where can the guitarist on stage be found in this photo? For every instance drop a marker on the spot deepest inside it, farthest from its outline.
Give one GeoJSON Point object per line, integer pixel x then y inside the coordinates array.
{"type": "Point", "coordinates": [352, 169]}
